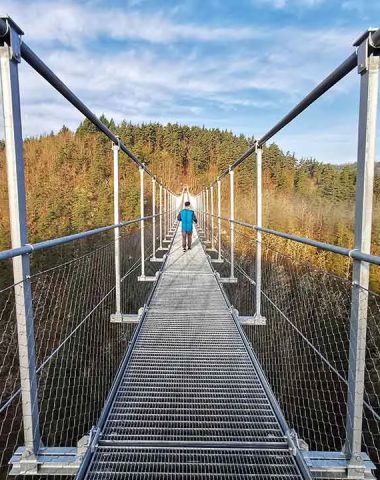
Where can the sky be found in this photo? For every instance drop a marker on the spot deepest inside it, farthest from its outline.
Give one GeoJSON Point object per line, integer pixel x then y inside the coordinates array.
{"type": "Point", "coordinates": [239, 65]}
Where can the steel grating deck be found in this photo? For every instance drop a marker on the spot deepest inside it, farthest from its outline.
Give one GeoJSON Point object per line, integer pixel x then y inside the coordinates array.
{"type": "Point", "coordinates": [191, 404]}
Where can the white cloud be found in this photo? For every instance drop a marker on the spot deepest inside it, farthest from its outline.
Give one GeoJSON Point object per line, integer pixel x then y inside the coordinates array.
{"type": "Point", "coordinates": [281, 4]}
{"type": "Point", "coordinates": [142, 81]}
{"type": "Point", "coordinates": [72, 23]}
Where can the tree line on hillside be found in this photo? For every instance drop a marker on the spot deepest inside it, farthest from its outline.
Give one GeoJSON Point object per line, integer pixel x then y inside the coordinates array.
{"type": "Point", "coordinates": [69, 180]}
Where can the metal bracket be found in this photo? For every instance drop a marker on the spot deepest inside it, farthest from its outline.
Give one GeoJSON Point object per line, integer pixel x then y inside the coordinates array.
{"type": "Point", "coordinates": [157, 259]}
{"type": "Point", "coordinates": [217, 260]}
{"type": "Point", "coordinates": [146, 278]}
{"type": "Point", "coordinates": [13, 39]}
{"type": "Point", "coordinates": [93, 438]}
{"type": "Point", "coordinates": [334, 465]}
{"type": "Point", "coordinates": [364, 44]}
{"type": "Point", "coordinates": [255, 320]}
{"type": "Point", "coordinates": [127, 317]}
{"type": "Point", "coordinates": [226, 279]}
{"type": "Point", "coordinates": [363, 56]}
{"type": "Point", "coordinates": [248, 320]}
{"type": "Point", "coordinates": [295, 444]}
{"type": "Point", "coordinates": [116, 146]}
{"type": "Point", "coordinates": [51, 460]}
{"type": "Point", "coordinates": [231, 280]}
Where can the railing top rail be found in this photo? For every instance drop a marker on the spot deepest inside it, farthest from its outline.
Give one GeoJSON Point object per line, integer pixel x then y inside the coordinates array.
{"type": "Point", "coordinates": [328, 247]}
{"type": "Point", "coordinates": [33, 247]}
{"type": "Point", "coordinates": [40, 67]}
{"type": "Point", "coordinates": [333, 78]}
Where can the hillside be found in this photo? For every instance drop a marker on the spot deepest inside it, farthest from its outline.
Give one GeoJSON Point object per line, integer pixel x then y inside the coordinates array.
{"type": "Point", "coordinates": [69, 181]}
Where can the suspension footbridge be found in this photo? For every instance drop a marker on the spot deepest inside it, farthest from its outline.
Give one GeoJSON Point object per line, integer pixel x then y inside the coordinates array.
{"type": "Point", "coordinates": [129, 358]}
{"type": "Point", "coordinates": [190, 401]}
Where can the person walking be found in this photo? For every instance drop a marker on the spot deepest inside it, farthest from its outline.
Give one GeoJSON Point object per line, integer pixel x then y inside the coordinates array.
{"type": "Point", "coordinates": [187, 217]}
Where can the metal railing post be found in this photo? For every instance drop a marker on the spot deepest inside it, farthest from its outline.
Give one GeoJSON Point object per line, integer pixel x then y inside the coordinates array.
{"type": "Point", "coordinates": [259, 223]}
{"type": "Point", "coordinates": [116, 219]}
{"type": "Point", "coordinates": [168, 214]}
{"type": "Point", "coordinates": [142, 223]}
{"type": "Point", "coordinates": [171, 211]}
{"type": "Point", "coordinates": [232, 225]}
{"type": "Point", "coordinates": [154, 217]}
{"type": "Point", "coordinates": [368, 66]}
{"type": "Point", "coordinates": [204, 212]}
{"type": "Point", "coordinates": [200, 215]}
{"type": "Point", "coordinates": [212, 218]}
{"type": "Point", "coordinates": [10, 58]}
{"type": "Point", "coordinates": [165, 215]}
{"type": "Point", "coordinates": [207, 217]}
{"type": "Point", "coordinates": [174, 209]}
{"type": "Point", "coordinates": [161, 219]}
{"type": "Point", "coordinates": [219, 221]}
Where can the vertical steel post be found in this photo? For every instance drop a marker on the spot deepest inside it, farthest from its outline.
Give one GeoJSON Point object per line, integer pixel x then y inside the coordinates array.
{"type": "Point", "coordinates": [116, 219]}
{"type": "Point", "coordinates": [171, 214]}
{"type": "Point", "coordinates": [232, 224]}
{"type": "Point", "coordinates": [219, 221]}
{"type": "Point", "coordinates": [204, 213]}
{"type": "Point", "coordinates": [174, 209]}
{"type": "Point", "coordinates": [154, 216]}
{"type": "Point", "coordinates": [207, 238]}
{"type": "Point", "coordinates": [259, 223]}
{"type": "Point", "coordinates": [171, 211]}
{"type": "Point", "coordinates": [369, 71]}
{"type": "Point", "coordinates": [165, 215]}
{"type": "Point", "coordinates": [142, 223]}
{"type": "Point", "coordinates": [212, 218]}
{"type": "Point", "coordinates": [161, 219]}
{"type": "Point", "coordinates": [168, 214]}
{"type": "Point", "coordinates": [200, 215]}
{"type": "Point", "coordinates": [9, 60]}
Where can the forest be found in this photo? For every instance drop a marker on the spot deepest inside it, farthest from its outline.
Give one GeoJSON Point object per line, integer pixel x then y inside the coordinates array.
{"type": "Point", "coordinates": [69, 184]}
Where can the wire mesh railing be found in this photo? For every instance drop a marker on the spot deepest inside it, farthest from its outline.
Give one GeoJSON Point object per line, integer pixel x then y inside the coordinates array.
{"type": "Point", "coordinates": [330, 320]}
{"type": "Point", "coordinates": [303, 346]}
{"type": "Point", "coordinates": [78, 349]}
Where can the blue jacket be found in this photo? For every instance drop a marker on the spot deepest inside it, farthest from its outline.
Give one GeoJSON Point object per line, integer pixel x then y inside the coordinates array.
{"type": "Point", "coordinates": [187, 217]}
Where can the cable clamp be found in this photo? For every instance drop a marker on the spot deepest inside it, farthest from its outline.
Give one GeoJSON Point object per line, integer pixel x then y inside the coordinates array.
{"type": "Point", "coordinates": [29, 245]}
{"type": "Point", "coordinates": [116, 146]}
{"type": "Point", "coordinates": [94, 436]}
{"type": "Point", "coordinates": [351, 251]}
{"type": "Point", "coordinates": [293, 441]}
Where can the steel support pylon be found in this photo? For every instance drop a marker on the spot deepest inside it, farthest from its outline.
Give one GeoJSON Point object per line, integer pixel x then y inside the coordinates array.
{"type": "Point", "coordinates": [368, 66]}
{"type": "Point", "coordinates": [10, 58]}
{"type": "Point", "coordinates": [116, 218]}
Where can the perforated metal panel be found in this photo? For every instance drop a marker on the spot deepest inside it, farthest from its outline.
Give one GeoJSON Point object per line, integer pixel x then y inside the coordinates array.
{"type": "Point", "coordinates": [191, 380]}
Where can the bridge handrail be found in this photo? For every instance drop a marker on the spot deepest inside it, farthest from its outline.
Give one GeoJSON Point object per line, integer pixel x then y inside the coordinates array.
{"type": "Point", "coordinates": [32, 247]}
{"type": "Point", "coordinates": [328, 247]}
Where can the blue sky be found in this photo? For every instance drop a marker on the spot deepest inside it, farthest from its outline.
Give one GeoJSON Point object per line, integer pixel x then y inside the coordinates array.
{"type": "Point", "coordinates": [237, 65]}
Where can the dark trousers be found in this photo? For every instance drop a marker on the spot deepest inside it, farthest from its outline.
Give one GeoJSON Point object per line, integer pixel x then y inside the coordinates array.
{"type": "Point", "coordinates": [188, 236]}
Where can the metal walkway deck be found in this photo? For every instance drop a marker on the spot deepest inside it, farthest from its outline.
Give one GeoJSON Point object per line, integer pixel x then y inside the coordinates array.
{"type": "Point", "coordinates": [191, 403]}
